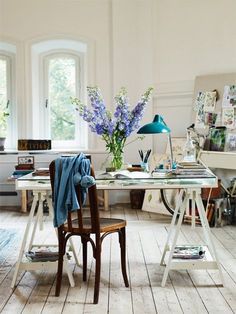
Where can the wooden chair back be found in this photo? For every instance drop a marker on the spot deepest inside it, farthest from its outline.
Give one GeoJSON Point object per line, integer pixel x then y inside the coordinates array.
{"type": "Point", "coordinates": [76, 219]}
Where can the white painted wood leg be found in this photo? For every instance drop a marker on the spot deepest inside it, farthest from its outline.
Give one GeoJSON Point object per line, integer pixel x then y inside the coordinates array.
{"type": "Point", "coordinates": [51, 214]}
{"type": "Point", "coordinates": [176, 233]}
{"type": "Point", "coordinates": [39, 197]}
{"type": "Point", "coordinates": [68, 271]}
{"type": "Point", "coordinates": [207, 233]}
{"type": "Point", "coordinates": [24, 240]}
{"type": "Point", "coordinates": [67, 267]}
{"type": "Point", "coordinates": [172, 226]}
{"type": "Point", "coordinates": [42, 196]}
{"type": "Point", "coordinates": [193, 213]}
{"type": "Point", "coordinates": [74, 251]}
{"type": "Point", "coordinates": [33, 232]}
{"type": "Point", "coordinates": [38, 218]}
{"type": "Point", "coordinates": [50, 207]}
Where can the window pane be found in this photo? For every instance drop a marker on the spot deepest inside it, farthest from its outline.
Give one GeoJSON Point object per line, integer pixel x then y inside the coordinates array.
{"type": "Point", "coordinates": [62, 75]}
{"type": "Point", "coordinates": [3, 95]}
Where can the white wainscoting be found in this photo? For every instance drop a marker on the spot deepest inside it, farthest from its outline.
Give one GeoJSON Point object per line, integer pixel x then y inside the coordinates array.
{"type": "Point", "coordinates": [174, 101]}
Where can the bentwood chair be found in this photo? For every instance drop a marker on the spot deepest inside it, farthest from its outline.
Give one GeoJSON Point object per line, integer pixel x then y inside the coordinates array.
{"type": "Point", "coordinates": [85, 227]}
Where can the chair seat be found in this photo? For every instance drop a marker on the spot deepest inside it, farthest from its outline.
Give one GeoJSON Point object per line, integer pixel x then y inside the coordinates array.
{"type": "Point", "coordinates": [106, 225]}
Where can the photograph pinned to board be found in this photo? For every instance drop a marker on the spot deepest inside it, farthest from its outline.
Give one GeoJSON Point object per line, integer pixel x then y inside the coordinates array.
{"type": "Point", "coordinates": [210, 118]}
{"type": "Point", "coordinates": [200, 118]}
{"type": "Point", "coordinates": [210, 101]}
{"type": "Point", "coordinates": [228, 117]}
{"type": "Point", "coordinates": [205, 103]}
{"type": "Point", "coordinates": [230, 144]}
{"type": "Point", "coordinates": [229, 96]}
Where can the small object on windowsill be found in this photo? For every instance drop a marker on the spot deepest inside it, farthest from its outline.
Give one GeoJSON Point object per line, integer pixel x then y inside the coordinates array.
{"type": "Point", "coordinates": [30, 144]}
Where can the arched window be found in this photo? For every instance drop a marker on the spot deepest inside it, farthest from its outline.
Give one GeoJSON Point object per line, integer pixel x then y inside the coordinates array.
{"type": "Point", "coordinates": [58, 73]}
{"type": "Point", "coordinates": [8, 129]}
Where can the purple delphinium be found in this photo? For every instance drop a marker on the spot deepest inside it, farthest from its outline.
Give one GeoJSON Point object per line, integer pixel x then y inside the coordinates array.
{"type": "Point", "coordinates": [113, 129]}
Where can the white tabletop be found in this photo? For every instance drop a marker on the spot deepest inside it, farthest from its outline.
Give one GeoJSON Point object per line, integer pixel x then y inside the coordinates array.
{"type": "Point", "coordinates": [38, 183]}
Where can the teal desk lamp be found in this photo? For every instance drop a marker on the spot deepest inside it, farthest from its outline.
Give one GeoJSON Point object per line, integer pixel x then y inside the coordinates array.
{"type": "Point", "coordinates": [158, 125]}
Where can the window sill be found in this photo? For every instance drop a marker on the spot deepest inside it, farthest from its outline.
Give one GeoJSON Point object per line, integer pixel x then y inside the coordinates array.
{"type": "Point", "coordinates": [51, 151]}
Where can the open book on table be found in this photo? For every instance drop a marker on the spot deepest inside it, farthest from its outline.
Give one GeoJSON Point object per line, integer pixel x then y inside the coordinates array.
{"type": "Point", "coordinates": [123, 174]}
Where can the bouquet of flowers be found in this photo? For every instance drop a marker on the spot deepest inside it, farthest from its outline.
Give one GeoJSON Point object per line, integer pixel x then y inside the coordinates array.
{"type": "Point", "coordinates": [113, 128]}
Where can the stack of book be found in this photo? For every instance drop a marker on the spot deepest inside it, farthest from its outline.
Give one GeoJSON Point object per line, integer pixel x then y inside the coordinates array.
{"type": "Point", "coordinates": [41, 172]}
{"type": "Point", "coordinates": [42, 256]}
{"type": "Point", "coordinates": [189, 252]}
{"type": "Point", "coordinates": [190, 165]}
{"type": "Point", "coordinates": [20, 172]}
{"type": "Point", "coordinates": [25, 166]}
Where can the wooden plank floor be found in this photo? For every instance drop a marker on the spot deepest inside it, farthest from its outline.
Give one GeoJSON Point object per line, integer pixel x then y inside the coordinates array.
{"type": "Point", "coordinates": [185, 292]}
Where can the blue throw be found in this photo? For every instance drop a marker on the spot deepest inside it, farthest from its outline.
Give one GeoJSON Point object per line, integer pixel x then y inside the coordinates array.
{"type": "Point", "coordinates": [69, 172]}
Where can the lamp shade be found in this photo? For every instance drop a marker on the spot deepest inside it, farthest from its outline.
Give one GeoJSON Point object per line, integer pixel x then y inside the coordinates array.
{"type": "Point", "coordinates": [157, 126]}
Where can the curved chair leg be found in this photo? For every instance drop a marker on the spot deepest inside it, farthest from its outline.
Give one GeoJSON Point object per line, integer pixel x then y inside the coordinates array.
{"type": "Point", "coordinates": [122, 240]}
{"type": "Point", "coordinates": [84, 247]}
{"type": "Point", "coordinates": [61, 253]}
{"type": "Point", "coordinates": [97, 270]}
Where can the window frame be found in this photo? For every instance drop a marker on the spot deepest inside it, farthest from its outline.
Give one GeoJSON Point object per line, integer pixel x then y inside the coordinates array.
{"type": "Point", "coordinates": [10, 93]}
{"type": "Point", "coordinates": [40, 51]}
{"type": "Point", "coordinates": [45, 127]}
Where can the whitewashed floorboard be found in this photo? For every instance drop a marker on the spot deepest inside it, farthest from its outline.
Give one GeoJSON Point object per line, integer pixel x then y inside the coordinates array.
{"type": "Point", "coordinates": [208, 288]}
{"type": "Point", "coordinates": [142, 296]}
{"type": "Point", "coordinates": [185, 292]}
{"type": "Point", "coordinates": [165, 298]}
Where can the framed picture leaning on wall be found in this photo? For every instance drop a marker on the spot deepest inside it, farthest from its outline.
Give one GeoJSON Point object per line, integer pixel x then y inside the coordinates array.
{"type": "Point", "coordinates": [217, 138]}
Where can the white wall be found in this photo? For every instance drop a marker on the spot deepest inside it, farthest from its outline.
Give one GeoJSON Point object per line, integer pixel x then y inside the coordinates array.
{"type": "Point", "coordinates": [133, 43]}
{"type": "Point", "coordinates": [191, 38]}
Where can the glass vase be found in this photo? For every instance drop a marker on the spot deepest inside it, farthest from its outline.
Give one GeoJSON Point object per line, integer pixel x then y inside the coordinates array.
{"type": "Point", "coordinates": [117, 161]}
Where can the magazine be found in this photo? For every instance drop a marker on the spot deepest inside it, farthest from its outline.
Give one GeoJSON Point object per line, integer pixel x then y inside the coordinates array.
{"type": "Point", "coordinates": [41, 172]}
{"type": "Point", "coordinates": [123, 174]}
{"type": "Point", "coordinates": [193, 173]}
{"type": "Point", "coordinates": [190, 165]}
{"type": "Point", "coordinates": [184, 173]}
{"type": "Point", "coordinates": [189, 252]}
{"type": "Point", "coordinates": [162, 173]}
{"type": "Point", "coordinates": [42, 256]}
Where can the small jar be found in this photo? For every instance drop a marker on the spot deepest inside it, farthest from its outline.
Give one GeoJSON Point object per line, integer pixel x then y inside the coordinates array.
{"type": "Point", "coordinates": [145, 166]}
{"type": "Point", "coordinates": [189, 149]}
